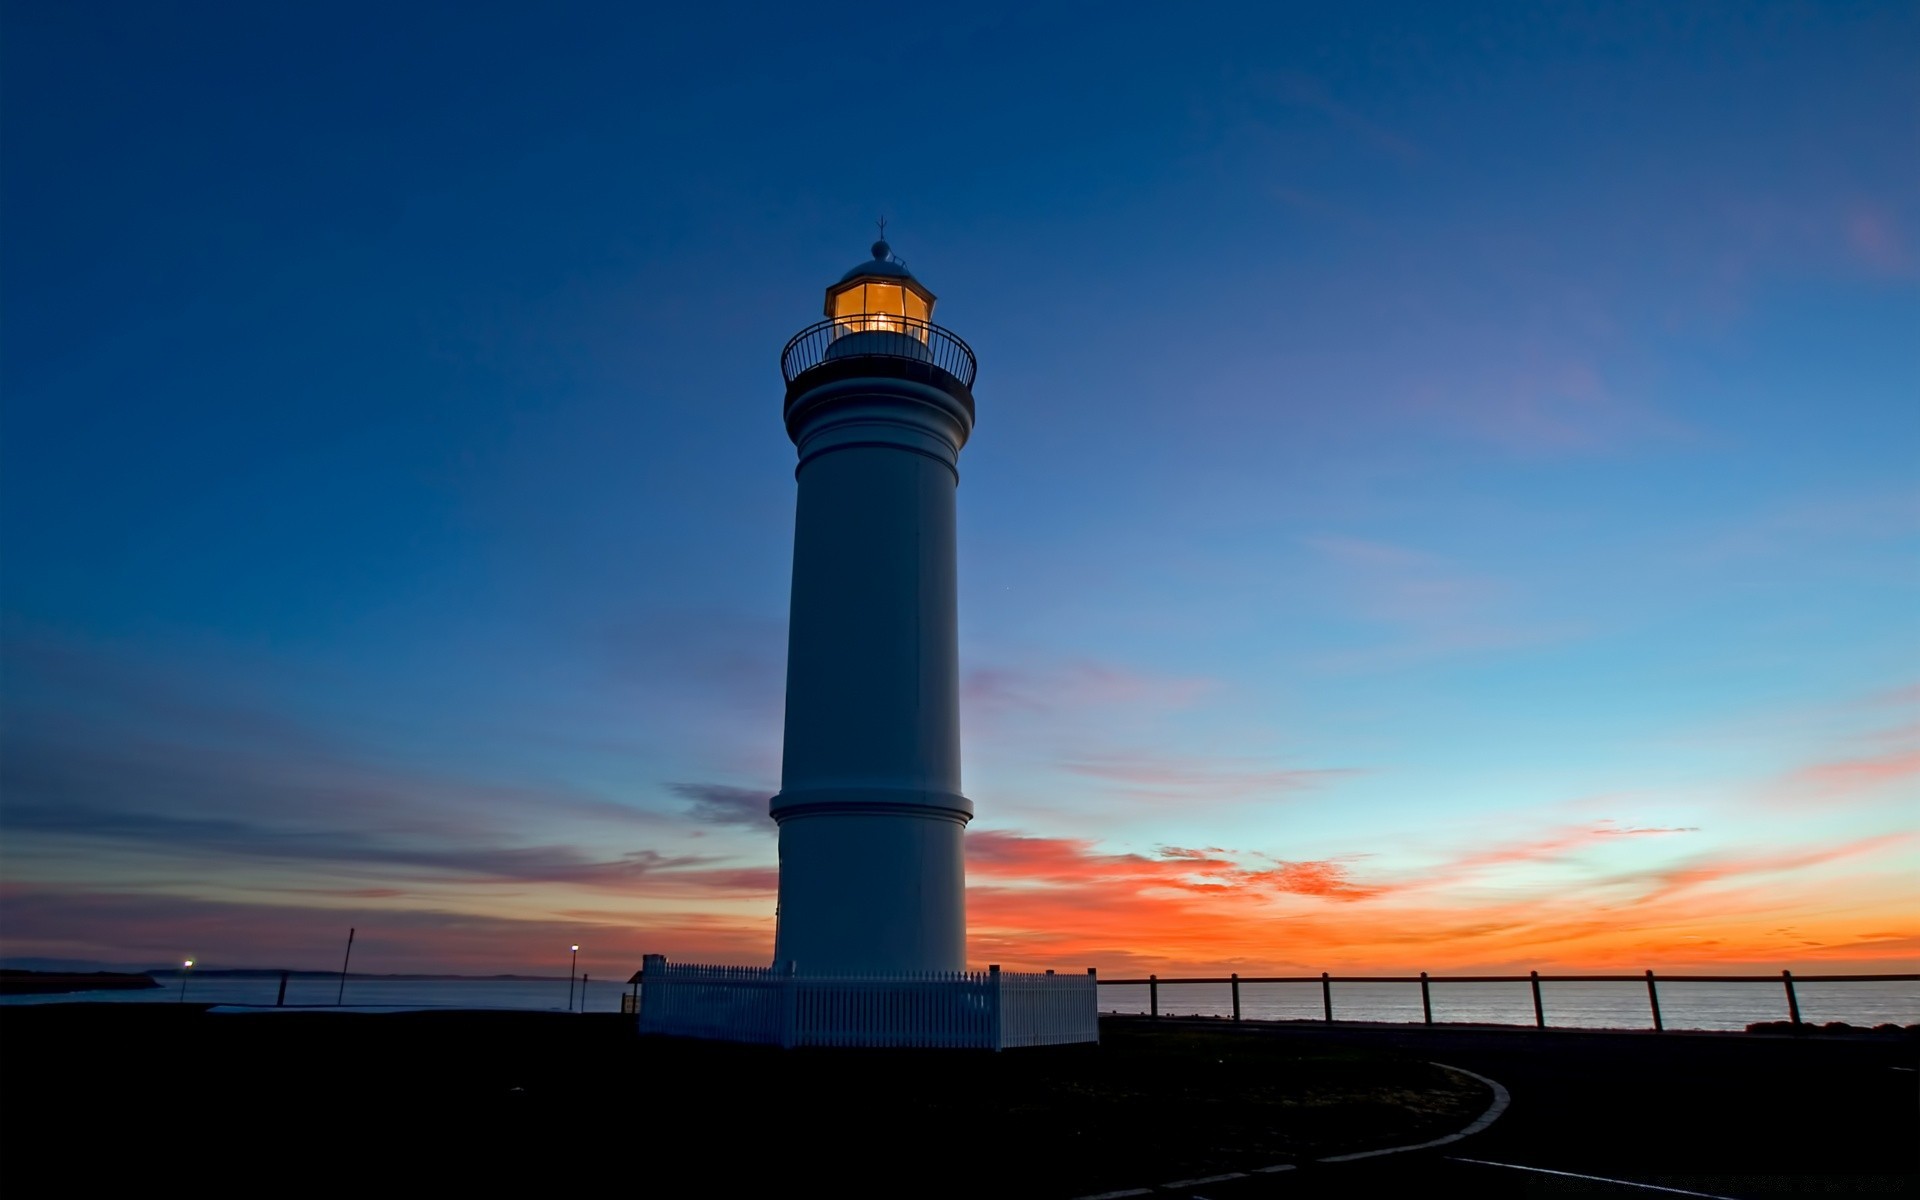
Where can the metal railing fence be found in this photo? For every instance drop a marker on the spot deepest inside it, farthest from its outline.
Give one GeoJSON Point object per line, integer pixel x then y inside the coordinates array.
{"type": "Point", "coordinates": [878, 336]}
{"type": "Point", "coordinates": [1426, 981]}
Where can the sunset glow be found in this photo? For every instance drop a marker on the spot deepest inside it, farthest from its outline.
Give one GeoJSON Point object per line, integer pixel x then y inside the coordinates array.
{"type": "Point", "coordinates": [1444, 494]}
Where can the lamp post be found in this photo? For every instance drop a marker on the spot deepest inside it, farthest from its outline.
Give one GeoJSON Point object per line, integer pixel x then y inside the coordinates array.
{"type": "Point", "coordinates": [340, 997]}
{"type": "Point", "coordinates": [570, 968]}
{"type": "Point", "coordinates": [186, 969]}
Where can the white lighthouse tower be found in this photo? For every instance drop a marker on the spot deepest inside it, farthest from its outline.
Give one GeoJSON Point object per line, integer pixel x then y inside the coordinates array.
{"type": "Point", "coordinates": [879, 403]}
{"type": "Point", "coordinates": [871, 946]}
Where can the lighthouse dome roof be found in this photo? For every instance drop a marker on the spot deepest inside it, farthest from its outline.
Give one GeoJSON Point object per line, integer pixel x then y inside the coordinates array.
{"type": "Point", "coordinates": [882, 264]}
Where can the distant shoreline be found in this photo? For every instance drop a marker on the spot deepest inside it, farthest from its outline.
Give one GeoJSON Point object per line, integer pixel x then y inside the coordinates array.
{"type": "Point", "coordinates": [53, 983]}
{"type": "Point", "coordinates": [277, 972]}
{"type": "Point", "coordinates": [19, 981]}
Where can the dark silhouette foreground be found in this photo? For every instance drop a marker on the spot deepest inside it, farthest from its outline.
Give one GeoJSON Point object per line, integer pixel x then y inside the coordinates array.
{"type": "Point", "coordinates": [146, 1094]}
{"type": "Point", "coordinates": [581, 1100]}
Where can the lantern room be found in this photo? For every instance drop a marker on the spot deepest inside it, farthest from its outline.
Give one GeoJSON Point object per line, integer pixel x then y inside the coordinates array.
{"type": "Point", "coordinates": [880, 296]}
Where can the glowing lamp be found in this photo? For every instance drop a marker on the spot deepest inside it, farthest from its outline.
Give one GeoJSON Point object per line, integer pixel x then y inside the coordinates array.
{"type": "Point", "coordinates": [880, 296]}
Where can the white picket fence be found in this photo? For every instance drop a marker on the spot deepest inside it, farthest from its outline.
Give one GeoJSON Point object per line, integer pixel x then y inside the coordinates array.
{"type": "Point", "coordinates": [991, 1009]}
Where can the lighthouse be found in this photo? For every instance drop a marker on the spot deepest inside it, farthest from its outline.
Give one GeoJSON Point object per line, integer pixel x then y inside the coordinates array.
{"type": "Point", "coordinates": [879, 403]}
{"type": "Point", "coordinates": [870, 945]}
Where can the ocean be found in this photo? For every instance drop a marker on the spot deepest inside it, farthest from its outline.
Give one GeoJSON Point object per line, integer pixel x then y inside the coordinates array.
{"type": "Point", "coordinates": [537, 995]}
{"type": "Point", "coordinates": [1584, 1005]}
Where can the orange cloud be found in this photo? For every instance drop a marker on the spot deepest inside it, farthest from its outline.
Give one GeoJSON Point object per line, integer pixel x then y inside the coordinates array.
{"type": "Point", "coordinates": [1329, 879]}
{"type": "Point", "coordinates": [1037, 901]}
{"type": "Point", "coordinates": [1047, 901]}
{"type": "Point", "coordinates": [1858, 774]}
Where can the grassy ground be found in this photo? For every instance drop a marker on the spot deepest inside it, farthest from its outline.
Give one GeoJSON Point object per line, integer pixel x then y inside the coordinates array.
{"type": "Point", "coordinates": [525, 1099]}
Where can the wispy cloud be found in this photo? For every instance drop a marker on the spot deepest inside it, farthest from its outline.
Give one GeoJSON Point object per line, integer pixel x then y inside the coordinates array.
{"type": "Point", "coordinates": [1040, 899]}
{"type": "Point", "coordinates": [1551, 847]}
{"type": "Point", "coordinates": [1907, 696]}
{"type": "Point", "coordinates": [1006, 855]}
{"type": "Point", "coordinates": [1113, 725]}
{"type": "Point", "coordinates": [1438, 608]}
{"type": "Point", "coordinates": [151, 928]}
{"type": "Point", "coordinates": [1314, 95]}
{"type": "Point", "coordinates": [722, 804]}
{"type": "Point", "coordinates": [1836, 233]}
{"type": "Point", "coordinates": [118, 773]}
{"type": "Point", "coordinates": [726, 660]}
{"type": "Point", "coordinates": [1331, 880]}
{"type": "Point", "coordinates": [1550, 406]}
{"type": "Point", "coordinates": [1795, 526]}
{"type": "Point", "coordinates": [383, 854]}
{"type": "Point", "coordinates": [1075, 686]}
{"type": "Point", "coordinates": [417, 854]}
{"type": "Point", "coordinates": [1847, 776]}
{"type": "Point", "coordinates": [1876, 241]}
{"type": "Point", "coordinates": [1173, 777]}
{"type": "Point", "coordinates": [1656, 885]}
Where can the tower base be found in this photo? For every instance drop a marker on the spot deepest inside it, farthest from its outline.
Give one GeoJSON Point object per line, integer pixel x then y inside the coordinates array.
{"type": "Point", "coordinates": [871, 888]}
{"type": "Point", "coordinates": [981, 1010]}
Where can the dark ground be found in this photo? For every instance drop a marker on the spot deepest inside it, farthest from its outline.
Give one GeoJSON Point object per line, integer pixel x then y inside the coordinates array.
{"type": "Point", "coordinates": [167, 1097]}
{"type": "Point", "coordinates": [542, 1098]}
{"type": "Point", "coordinates": [1725, 1114]}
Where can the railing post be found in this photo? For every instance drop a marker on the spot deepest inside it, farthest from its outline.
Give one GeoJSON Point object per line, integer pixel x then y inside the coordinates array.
{"type": "Point", "coordinates": [1236, 995]}
{"type": "Point", "coordinates": [1653, 1001]}
{"type": "Point", "coordinates": [281, 999]}
{"type": "Point", "coordinates": [1793, 1001]}
{"type": "Point", "coordinates": [1153, 996]}
{"type": "Point", "coordinates": [993, 989]}
{"type": "Point", "coordinates": [1326, 995]}
{"type": "Point", "coordinates": [1539, 1011]}
{"type": "Point", "coordinates": [1426, 999]}
{"type": "Point", "coordinates": [1093, 983]}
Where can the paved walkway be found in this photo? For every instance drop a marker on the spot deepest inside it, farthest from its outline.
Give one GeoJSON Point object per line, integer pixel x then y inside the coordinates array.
{"type": "Point", "coordinates": [1641, 1114]}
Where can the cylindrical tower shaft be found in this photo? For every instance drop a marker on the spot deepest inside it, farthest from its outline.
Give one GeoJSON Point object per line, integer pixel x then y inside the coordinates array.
{"type": "Point", "coordinates": [872, 876]}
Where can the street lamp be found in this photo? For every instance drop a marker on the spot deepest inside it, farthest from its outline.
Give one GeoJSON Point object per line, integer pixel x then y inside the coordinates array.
{"type": "Point", "coordinates": [186, 968]}
{"type": "Point", "coordinates": [570, 968]}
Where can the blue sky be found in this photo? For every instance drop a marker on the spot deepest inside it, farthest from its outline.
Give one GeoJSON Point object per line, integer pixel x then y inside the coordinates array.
{"type": "Point", "coordinates": [1441, 471]}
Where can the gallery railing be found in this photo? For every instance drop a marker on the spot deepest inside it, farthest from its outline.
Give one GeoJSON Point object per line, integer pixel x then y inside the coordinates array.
{"type": "Point", "coordinates": [878, 335]}
{"type": "Point", "coordinates": [1326, 981]}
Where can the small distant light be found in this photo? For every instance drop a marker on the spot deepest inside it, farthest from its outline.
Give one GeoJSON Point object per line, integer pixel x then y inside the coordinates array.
{"type": "Point", "coordinates": [576, 947]}
{"type": "Point", "coordinates": [187, 963]}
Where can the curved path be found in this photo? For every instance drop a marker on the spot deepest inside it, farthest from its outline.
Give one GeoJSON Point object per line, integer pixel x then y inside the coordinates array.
{"type": "Point", "coordinates": [1638, 1114]}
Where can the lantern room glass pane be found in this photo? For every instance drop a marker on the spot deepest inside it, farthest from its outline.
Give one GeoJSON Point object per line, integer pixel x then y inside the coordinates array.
{"type": "Point", "coordinates": [877, 308]}
{"type": "Point", "coordinates": [850, 302]}
{"type": "Point", "coordinates": [885, 298]}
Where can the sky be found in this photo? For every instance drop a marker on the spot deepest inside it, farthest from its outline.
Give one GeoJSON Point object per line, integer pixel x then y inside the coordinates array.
{"type": "Point", "coordinates": [1446, 492]}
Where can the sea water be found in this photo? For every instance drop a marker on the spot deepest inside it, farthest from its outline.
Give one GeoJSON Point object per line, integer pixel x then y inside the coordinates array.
{"type": "Point", "coordinates": [1566, 1005]}
{"type": "Point", "coordinates": [537, 995]}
